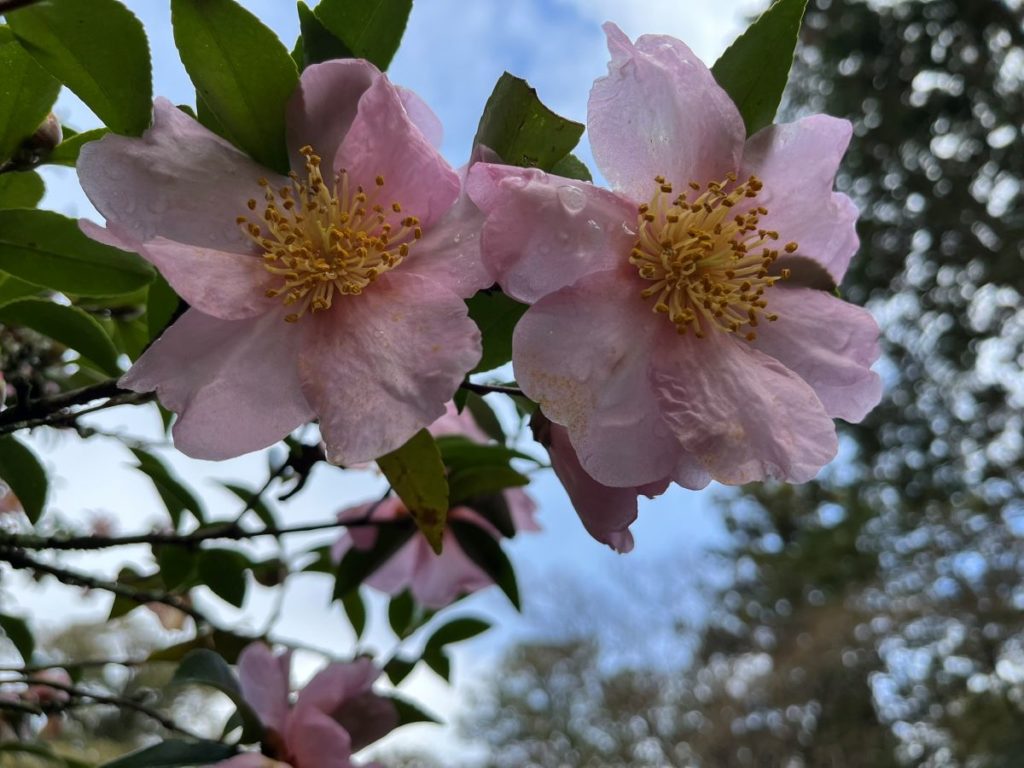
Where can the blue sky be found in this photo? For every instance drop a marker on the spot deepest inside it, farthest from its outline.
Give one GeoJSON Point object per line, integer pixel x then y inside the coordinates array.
{"type": "Point", "coordinates": [452, 54]}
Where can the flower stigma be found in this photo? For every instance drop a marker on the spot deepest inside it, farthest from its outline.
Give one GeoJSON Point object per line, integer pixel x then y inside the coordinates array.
{"type": "Point", "coordinates": [708, 267]}
{"type": "Point", "coordinates": [324, 239]}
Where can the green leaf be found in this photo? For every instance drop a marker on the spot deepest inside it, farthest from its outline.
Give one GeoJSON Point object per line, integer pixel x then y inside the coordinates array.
{"type": "Point", "coordinates": [68, 150]}
{"type": "Point", "coordinates": [459, 452]}
{"type": "Point", "coordinates": [472, 482]}
{"type": "Point", "coordinates": [411, 713]}
{"type": "Point", "coordinates": [417, 475]}
{"type": "Point", "coordinates": [161, 304]}
{"type": "Point", "coordinates": [355, 610]}
{"type": "Point", "coordinates": [12, 288]}
{"type": "Point", "coordinates": [174, 754]}
{"type": "Point", "coordinates": [440, 663]}
{"type": "Point", "coordinates": [755, 68]}
{"type": "Point", "coordinates": [523, 131]}
{"type": "Point", "coordinates": [18, 632]}
{"type": "Point", "coordinates": [397, 669]}
{"type": "Point", "coordinates": [483, 549]}
{"type": "Point", "coordinates": [370, 29]}
{"type": "Point", "coordinates": [400, 611]}
{"type": "Point", "coordinates": [27, 91]}
{"type": "Point", "coordinates": [358, 564]}
{"type": "Point", "coordinates": [223, 571]}
{"type": "Point", "coordinates": [496, 315]}
{"type": "Point", "coordinates": [571, 167]}
{"type": "Point", "coordinates": [24, 475]}
{"type": "Point", "coordinates": [177, 565]}
{"type": "Point", "coordinates": [99, 50]}
{"type": "Point", "coordinates": [317, 42]}
{"type": "Point", "coordinates": [175, 496]}
{"type": "Point", "coordinates": [484, 416]}
{"type": "Point", "coordinates": [250, 498]}
{"type": "Point", "coordinates": [455, 632]}
{"type": "Point", "coordinates": [21, 189]}
{"type": "Point", "coordinates": [205, 667]}
{"type": "Point", "coordinates": [69, 325]}
{"type": "Point", "coordinates": [242, 72]}
{"type": "Point", "coordinates": [47, 249]}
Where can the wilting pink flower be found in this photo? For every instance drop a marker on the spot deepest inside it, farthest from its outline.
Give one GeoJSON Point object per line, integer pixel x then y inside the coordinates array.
{"type": "Point", "coordinates": [668, 333]}
{"type": "Point", "coordinates": [334, 294]}
{"type": "Point", "coordinates": [336, 714]}
{"type": "Point", "coordinates": [434, 580]}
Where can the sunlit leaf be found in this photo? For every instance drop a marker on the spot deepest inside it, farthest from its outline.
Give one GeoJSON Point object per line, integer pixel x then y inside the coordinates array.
{"type": "Point", "coordinates": [27, 91]}
{"type": "Point", "coordinates": [370, 29]}
{"type": "Point", "coordinates": [417, 475]}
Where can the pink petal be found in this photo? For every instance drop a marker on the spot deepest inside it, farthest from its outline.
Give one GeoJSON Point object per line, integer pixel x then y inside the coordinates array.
{"type": "Point", "coordinates": [544, 232]}
{"type": "Point", "coordinates": [743, 415]}
{"type": "Point", "coordinates": [228, 286]}
{"type": "Point", "coordinates": [383, 141]}
{"type": "Point", "coordinates": [458, 424]}
{"type": "Point", "coordinates": [449, 251]}
{"type": "Point", "coordinates": [179, 181]}
{"type": "Point", "coordinates": [829, 343]}
{"type": "Point", "coordinates": [323, 107]}
{"type": "Point", "coordinates": [337, 683]}
{"type": "Point", "coordinates": [439, 580]}
{"type": "Point", "coordinates": [381, 365]}
{"type": "Point", "coordinates": [797, 163]}
{"type": "Point", "coordinates": [584, 354]}
{"type": "Point", "coordinates": [265, 684]}
{"type": "Point", "coordinates": [234, 383]}
{"type": "Point", "coordinates": [522, 509]}
{"type": "Point", "coordinates": [422, 116]}
{"type": "Point", "coordinates": [365, 536]}
{"type": "Point", "coordinates": [399, 571]}
{"type": "Point", "coordinates": [315, 740]}
{"type": "Point", "coordinates": [659, 111]}
{"type": "Point", "coordinates": [367, 717]}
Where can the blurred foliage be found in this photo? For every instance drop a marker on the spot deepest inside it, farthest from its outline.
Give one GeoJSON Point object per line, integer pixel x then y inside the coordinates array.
{"type": "Point", "coordinates": [874, 616]}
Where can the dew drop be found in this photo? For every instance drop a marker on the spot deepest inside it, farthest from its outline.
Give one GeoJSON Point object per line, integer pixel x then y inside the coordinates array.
{"type": "Point", "coordinates": [572, 199]}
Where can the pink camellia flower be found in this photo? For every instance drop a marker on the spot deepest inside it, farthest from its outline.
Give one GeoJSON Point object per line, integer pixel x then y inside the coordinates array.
{"type": "Point", "coordinates": [669, 335]}
{"type": "Point", "coordinates": [434, 580]}
{"type": "Point", "coordinates": [40, 691]}
{"type": "Point", "coordinates": [336, 714]}
{"type": "Point", "coordinates": [334, 293]}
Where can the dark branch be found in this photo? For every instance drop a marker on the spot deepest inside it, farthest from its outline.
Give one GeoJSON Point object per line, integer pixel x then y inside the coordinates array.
{"type": "Point", "coordinates": [486, 389]}
{"type": "Point", "coordinates": [55, 411]}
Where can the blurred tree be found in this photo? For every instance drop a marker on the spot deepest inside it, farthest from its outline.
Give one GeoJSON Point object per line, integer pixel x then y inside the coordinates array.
{"type": "Point", "coordinates": [874, 616]}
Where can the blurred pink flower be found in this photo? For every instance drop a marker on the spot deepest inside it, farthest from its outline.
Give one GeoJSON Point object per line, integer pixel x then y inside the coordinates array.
{"type": "Point", "coordinates": [658, 336]}
{"type": "Point", "coordinates": [40, 692]}
{"type": "Point", "coordinates": [8, 501]}
{"type": "Point", "coordinates": [434, 580]}
{"type": "Point", "coordinates": [336, 714]}
{"type": "Point", "coordinates": [335, 294]}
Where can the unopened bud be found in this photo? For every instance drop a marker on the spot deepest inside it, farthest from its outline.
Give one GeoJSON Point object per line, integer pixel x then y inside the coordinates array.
{"type": "Point", "coordinates": [47, 136]}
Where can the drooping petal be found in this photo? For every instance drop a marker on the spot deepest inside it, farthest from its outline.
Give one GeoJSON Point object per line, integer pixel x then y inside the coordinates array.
{"type": "Point", "coordinates": [234, 383]}
{"type": "Point", "coordinates": [323, 107]}
{"type": "Point", "coordinates": [337, 683]}
{"type": "Point", "coordinates": [449, 252]}
{"type": "Point", "coordinates": [797, 163]}
{"type": "Point", "coordinates": [830, 344]}
{"type": "Point", "coordinates": [381, 365]}
{"type": "Point", "coordinates": [659, 111]}
{"type": "Point", "coordinates": [384, 142]}
{"type": "Point", "coordinates": [367, 717]}
{"type": "Point", "coordinates": [459, 424]}
{"type": "Point", "coordinates": [544, 232]}
{"type": "Point", "coordinates": [742, 414]}
{"type": "Point", "coordinates": [315, 740]}
{"type": "Point", "coordinates": [584, 354]}
{"type": "Point", "coordinates": [179, 181]}
{"type": "Point", "coordinates": [422, 116]}
{"type": "Point", "coordinates": [264, 678]}
{"type": "Point", "coordinates": [228, 286]}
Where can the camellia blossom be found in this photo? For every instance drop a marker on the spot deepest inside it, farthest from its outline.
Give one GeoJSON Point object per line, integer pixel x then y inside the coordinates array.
{"type": "Point", "coordinates": [336, 714]}
{"type": "Point", "coordinates": [434, 580]}
{"type": "Point", "coordinates": [669, 332]}
{"type": "Point", "coordinates": [334, 293]}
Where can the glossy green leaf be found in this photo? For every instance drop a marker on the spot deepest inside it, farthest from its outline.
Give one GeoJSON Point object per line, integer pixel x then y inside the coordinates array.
{"type": "Point", "coordinates": [47, 249]}
{"type": "Point", "coordinates": [161, 305]}
{"type": "Point", "coordinates": [370, 29]}
{"type": "Point", "coordinates": [205, 667]}
{"type": "Point", "coordinates": [18, 632]}
{"type": "Point", "coordinates": [242, 72]}
{"type": "Point", "coordinates": [358, 564]}
{"type": "Point", "coordinates": [496, 315]}
{"type": "Point", "coordinates": [455, 631]}
{"type": "Point", "coordinates": [176, 497]}
{"type": "Point", "coordinates": [70, 326]}
{"type": "Point", "coordinates": [317, 42]}
{"type": "Point", "coordinates": [12, 288]}
{"type": "Point", "coordinates": [571, 167]}
{"type": "Point", "coordinates": [21, 189]}
{"type": "Point", "coordinates": [99, 50]}
{"type": "Point", "coordinates": [417, 475]}
{"type": "Point", "coordinates": [174, 754]}
{"type": "Point", "coordinates": [523, 131]}
{"type": "Point", "coordinates": [483, 549]}
{"type": "Point", "coordinates": [471, 482]}
{"type": "Point", "coordinates": [68, 150]}
{"type": "Point", "coordinates": [223, 571]}
{"type": "Point", "coordinates": [755, 68]}
{"type": "Point", "coordinates": [484, 416]}
{"type": "Point", "coordinates": [27, 91]}
{"type": "Point", "coordinates": [23, 474]}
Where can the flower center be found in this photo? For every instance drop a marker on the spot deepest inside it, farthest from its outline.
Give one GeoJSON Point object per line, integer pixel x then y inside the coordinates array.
{"type": "Point", "coordinates": [324, 239]}
{"type": "Point", "coordinates": [708, 266]}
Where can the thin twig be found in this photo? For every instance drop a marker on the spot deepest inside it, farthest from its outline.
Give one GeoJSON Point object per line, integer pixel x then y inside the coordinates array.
{"type": "Point", "coordinates": [486, 389]}
{"type": "Point", "coordinates": [54, 411]}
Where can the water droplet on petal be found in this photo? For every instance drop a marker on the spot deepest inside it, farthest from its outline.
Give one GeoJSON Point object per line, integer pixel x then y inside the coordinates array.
{"type": "Point", "coordinates": [572, 199]}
